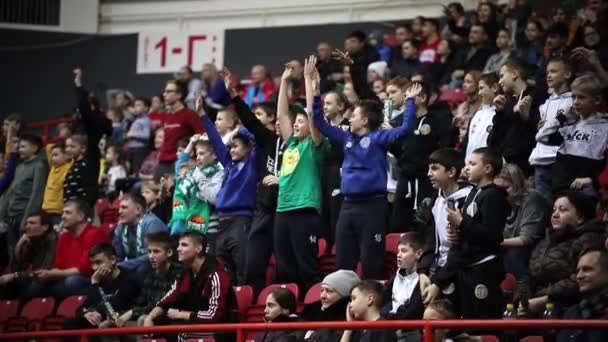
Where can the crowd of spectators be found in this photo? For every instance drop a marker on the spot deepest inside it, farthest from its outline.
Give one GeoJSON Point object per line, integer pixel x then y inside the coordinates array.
{"type": "Point", "coordinates": [482, 137]}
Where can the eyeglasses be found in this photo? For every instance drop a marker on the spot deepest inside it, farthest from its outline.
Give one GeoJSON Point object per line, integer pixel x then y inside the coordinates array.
{"type": "Point", "coordinates": [169, 91]}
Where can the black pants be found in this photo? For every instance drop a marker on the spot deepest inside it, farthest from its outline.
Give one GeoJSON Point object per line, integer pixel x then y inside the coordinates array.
{"type": "Point", "coordinates": [406, 202]}
{"type": "Point", "coordinates": [231, 246]}
{"type": "Point", "coordinates": [78, 322]}
{"type": "Point", "coordinates": [259, 248]}
{"type": "Point", "coordinates": [479, 290]}
{"type": "Point", "coordinates": [332, 201]}
{"type": "Point", "coordinates": [136, 156]}
{"type": "Point", "coordinates": [360, 234]}
{"type": "Point", "coordinates": [295, 247]}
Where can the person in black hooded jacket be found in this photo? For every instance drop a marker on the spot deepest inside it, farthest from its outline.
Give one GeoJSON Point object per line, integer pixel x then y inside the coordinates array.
{"type": "Point", "coordinates": [280, 308]}
{"type": "Point", "coordinates": [334, 298]}
{"type": "Point", "coordinates": [515, 123]}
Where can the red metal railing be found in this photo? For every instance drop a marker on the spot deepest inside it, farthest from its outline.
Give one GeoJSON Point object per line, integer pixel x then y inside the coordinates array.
{"type": "Point", "coordinates": [46, 126]}
{"type": "Point", "coordinates": [241, 329]}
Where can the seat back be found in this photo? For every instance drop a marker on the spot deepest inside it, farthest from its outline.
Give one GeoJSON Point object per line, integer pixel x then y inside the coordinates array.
{"type": "Point", "coordinates": [38, 308]}
{"type": "Point", "coordinates": [533, 339]}
{"type": "Point", "coordinates": [264, 293]}
{"type": "Point", "coordinates": [489, 338]}
{"type": "Point", "coordinates": [68, 307]}
{"type": "Point", "coordinates": [244, 299]}
{"type": "Point", "coordinates": [313, 293]}
{"type": "Point", "coordinates": [8, 308]}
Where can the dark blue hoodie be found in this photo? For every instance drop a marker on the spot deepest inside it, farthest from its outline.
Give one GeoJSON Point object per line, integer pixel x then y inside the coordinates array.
{"type": "Point", "coordinates": [238, 192]}
{"type": "Point", "coordinates": [364, 166]}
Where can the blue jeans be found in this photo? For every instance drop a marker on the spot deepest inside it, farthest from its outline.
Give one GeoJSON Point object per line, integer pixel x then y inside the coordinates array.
{"type": "Point", "coordinates": [73, 285]}
{"type": "Point", "coordinates": [516, 261]}
{"type": "Point", "coordinates": [542, 181]}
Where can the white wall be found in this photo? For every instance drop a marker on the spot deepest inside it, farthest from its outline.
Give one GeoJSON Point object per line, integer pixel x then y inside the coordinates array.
{"type": "Point", "coordinates": [75, 16]}
{"type": "Point", "coordinates": [135, 16]}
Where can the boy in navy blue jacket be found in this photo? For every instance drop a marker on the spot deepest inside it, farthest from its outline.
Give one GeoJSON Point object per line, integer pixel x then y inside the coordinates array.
{"type": "Point", "coordinates": [361, 225]}
{"type": "Point", "coordinates": [236, 199]}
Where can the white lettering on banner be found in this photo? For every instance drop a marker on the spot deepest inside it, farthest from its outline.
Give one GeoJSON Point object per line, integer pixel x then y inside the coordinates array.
{"type": "Point", "coordinates": [167, 52]}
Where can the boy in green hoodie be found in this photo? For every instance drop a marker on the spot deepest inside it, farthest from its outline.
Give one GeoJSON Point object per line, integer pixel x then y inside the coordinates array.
{"type": "Point", "coordinates": [24, 195]}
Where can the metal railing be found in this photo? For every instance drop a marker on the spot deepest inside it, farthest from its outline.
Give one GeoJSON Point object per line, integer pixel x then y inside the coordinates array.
{"type": "Point", "coordinates": [241, 329]}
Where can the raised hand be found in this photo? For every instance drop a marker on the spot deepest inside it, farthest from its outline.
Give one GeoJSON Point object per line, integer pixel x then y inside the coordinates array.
{"type": "Point", "coordinates": [77, 76]}
{"type": "Point", "coordinates": [413, 91]}
{"type": "Point", "coordinates": [288, 72]}
{"type": "Point", "coordinates": [499, 102]}
{"type": "Point", "coordinates": [342, 57]}
{"type": "Point", "coordinates": [227, 75]}
{"type": "Point", "coordinates": [523, 106]}
{"type": "Point", "coordinates": [310, 66]}
{"type": "Point", "coordinates": [198, 104]}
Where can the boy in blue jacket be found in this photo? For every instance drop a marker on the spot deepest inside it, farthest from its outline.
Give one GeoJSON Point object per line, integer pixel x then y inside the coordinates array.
{"type": "Point", "coordinates": [236, 199]}
{"type": "Point", "coordinates": [361, 225]}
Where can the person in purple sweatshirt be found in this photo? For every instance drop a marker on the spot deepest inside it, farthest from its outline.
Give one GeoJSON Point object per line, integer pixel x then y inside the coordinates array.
{"type": "Point", "coordinates": [361, 226]}
{"type": "Point", "coordinates": [235, 201]}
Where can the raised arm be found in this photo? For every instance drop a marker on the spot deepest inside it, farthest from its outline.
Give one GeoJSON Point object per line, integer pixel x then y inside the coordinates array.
{"type": "Point", "coordinates": [263, 136]}
{"type": "Point", "coordinates": [283, 103]}
{"type": "Point", "coordinates": [334, 134]}
{"type": "Point", "coordinates": [222, 152]}
{"type": "Point", "coordinates": [389, 136]}
{"type": "Point", "coordinates": [311, 81]}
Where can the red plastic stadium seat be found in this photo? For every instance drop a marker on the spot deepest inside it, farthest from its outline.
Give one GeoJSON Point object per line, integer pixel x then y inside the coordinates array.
{"type": "Point", "coordinates": [244, 299]}
{"type": "Point", "coordinates": [67, 309]}
{"type": "Point", "coordinates": [489, 338]}
{"type": "Point", "coordinates": [313, 293]}
{"type": "Point", "coordinates": [509, 284]}
{"type": "Point", "coordinates": [32, 315]}
{"type": "Point", "coordinates": [153, 340]}
{"type": "Point", "coordinates": [206, 339]}
{"type": "Point", "coordinates": [322, 244]}
{"type": "Point", "coordinates": [8, 309]}
{"type": "Point", "coordinates": [532, 339]}
{"type": "Point", "coordinates": [391, 241]}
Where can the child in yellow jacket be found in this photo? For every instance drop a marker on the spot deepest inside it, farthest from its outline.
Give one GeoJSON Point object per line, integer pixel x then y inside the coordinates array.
{"type": "Point", "coordinates": [60, 163]}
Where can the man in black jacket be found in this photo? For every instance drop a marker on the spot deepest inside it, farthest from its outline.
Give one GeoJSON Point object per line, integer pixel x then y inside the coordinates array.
{"type": "Point", "coordinates": [592, 279]}
{"type": "Point", "coordinates": [113, 290]}
{"type": "Point", "coordinates": [359, 54]}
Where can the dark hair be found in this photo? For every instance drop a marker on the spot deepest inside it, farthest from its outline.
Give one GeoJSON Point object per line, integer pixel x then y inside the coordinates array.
{"type": "Point", "coordinates": [197, 238]}
{"type": "Point", "coordinates": [119, 152]}
{"type": "Point", "coordinates": [162, 238]}
{"type": "Point", "coordinates": [285, 299]}
{"type": "Point", "coordinates": [104, 248]}
{"type": "Point", "coordinates": [603, 262]}
{"type": "Point", "coordinates": [406, 26]}
{"type": "Point", "coordinates": [81, 206]}
{"type": "Point", "coordinates": [60, 145]}
{"type": "Point", "coordinates": [490, 157]}
{"type": "Point", "coordinates": [491, 79]}
{"type": "Point", "coordinates": [448, 158]}
{"type": "Point", "coordinates": [444, 307]}
{"type": "Point", "coordinates": [484, 26]}
{"type": "Point", "coordinates": [457, 6]}
{"type": "Point", "coordinates": [559, 29]}
{"type": "Point", "coordinates": [372, 287]}
{"type": "Point", "coordinates": [518, 65]}
{"type": "Point", "coordinates": [136, 198]}
{"type": "Point", "coordinates": [45, 219]}
{"type": "Point", "coordinates": [372, 110]}
{"type": "Point", "coordinates": [414, 239]}
{"type": "Point", "coordinates": [188, 68]}
{"type": "Point", "coordinates": [414, 42]}
{"type": "Point", "coordinates": [268, 108]}
{"type": "Point", "coordinates": [183, 142]}
{"type": "Point", "coordinates": [243, 139]}
{"type": "Point", "coordinates": [359, 35]}
{"type": "Point", "coordinates": [584, 205]}
{"type": "Point", "coordinates": [145, 100]}
{"type": "Point", "coordinates": [32, 139]}
{"type": "Point", "coordinates": [432, 21]}
{"type": "Point", "coordinates": [180, 88]}
{"type": "Point", "coordinates": [427, 91]}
